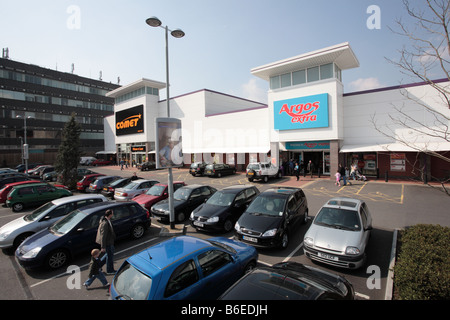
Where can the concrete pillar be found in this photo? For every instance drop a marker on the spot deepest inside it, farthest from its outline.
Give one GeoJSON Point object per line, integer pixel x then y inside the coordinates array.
{"type": "Point", "coordinates": [334, 157]}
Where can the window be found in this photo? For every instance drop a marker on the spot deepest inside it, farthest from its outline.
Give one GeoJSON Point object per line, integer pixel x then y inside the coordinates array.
{"type": "Point", "coordinates": [24, 191]}
{"type": "Point", "coordinates": [62, 210]}
{"type": "Point", "coordinates": [213, 260]}
{"type": "Point", "coordinates": [298, 77]}
{"type": "Point", "coordinates": [275, 82]}
{"type": "Point", "coordinates": [120, 212]}
{"type": "Point", "coordinates": [286, 80]}
{"type": "Point", "coordinates": [313, 74]}
{"type": "Point", "coordinates": [184, 276]}
{"type": "Point", "coordinates": [326, 71]}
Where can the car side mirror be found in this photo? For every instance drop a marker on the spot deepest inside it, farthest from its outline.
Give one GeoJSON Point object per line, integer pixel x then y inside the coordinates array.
{"type": "Point", "coordinates": [45, 218]}
{"type": "Point", "coordinates": [80, 230]}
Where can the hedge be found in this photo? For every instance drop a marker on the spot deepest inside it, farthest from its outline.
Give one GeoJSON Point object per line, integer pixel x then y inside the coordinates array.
{"type": "Point", "coordinates": [422, 270]}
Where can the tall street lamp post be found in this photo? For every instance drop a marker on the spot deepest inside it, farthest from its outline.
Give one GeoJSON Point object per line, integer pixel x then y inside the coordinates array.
{"type": "Point", "coordinates": [177, 33]}
{"type": "Point", "coordinates": [25, 145]}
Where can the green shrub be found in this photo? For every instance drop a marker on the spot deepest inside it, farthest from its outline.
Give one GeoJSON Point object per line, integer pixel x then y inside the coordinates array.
{"type": "Point", "coordinates": [422, 270]}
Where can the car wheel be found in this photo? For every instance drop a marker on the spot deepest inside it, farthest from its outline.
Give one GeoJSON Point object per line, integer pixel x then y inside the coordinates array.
{"type": "Point", "coordinates": [228, 225]}
{"type": "Point", "coordinates": [279, 175]}
{"type": "Point", "coordinates": [137, 231]}
{"type": "Point", "coordinates": [250, 180]}
{"type": "Point", "coordinates": [21, 238]}
{"type": "Point", "coordinates": [181, 217]}
{"type": "Point", "coordinates": [265, 179]}
{"type": "Point", "coordinates": [219, 175]}
{"type": "Point", "coordinates": [284, 240]}
{"type": "Point", "coordinates": [57, 259]}
{"type": "Point", "coordinates": [249, 267]}
{"type": "Point", "coordinates": [17, 207]}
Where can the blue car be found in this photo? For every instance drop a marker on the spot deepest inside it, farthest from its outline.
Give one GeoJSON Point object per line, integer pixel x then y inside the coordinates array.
{"type": "Point", "coordinates": [75, 233]}
{"type": "Point", "coordinates": [182, 268]}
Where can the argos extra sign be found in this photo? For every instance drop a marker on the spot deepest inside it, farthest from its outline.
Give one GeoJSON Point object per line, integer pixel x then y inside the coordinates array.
{"type": "Point", "coordinates": [130, 121]}
{"type": "Point", "coordinates": [301, 113]}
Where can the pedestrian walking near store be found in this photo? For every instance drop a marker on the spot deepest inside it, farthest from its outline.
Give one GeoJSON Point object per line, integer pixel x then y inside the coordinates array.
{"type": "Point", "coordinates": [297, 170]}
{"type": "Point", "coordinates": [105, 238]}
{"type": "Point", "coordinates": [95, 271]}
{"type": "Point", "coordinates": [342, 172]}
{"type": "Point", "coordinates": [338, 178]}
{"type": "Point", "coordinates": [310, 168]}
{"type": "Point", "coordinates": [347, 175]}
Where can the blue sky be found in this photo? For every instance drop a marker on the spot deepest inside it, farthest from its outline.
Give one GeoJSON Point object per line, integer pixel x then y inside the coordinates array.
{"type": "Point", "coordinates": [224, 39]}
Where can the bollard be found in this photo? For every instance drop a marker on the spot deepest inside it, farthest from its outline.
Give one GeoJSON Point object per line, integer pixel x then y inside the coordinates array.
{"type": "Point", "coordinates": [386, 176]}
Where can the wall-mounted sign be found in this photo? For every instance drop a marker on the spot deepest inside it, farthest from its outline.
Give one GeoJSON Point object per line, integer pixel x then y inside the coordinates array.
{"type": "Point", "coordinates": [308, 145]}
{"type": "Point", "coordinates": [130, 121]}
{"type": "Point", "coordinates": [138, 148]}
{"type": "Point", "coordinates": [398, 162]}
{"type": "Point", "coordinates": [301, 113]}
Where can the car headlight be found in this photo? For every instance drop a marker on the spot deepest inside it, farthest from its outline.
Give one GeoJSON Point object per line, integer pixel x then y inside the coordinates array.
{"type": "Point", "coordinates": [308, 241]}
{"type": "Point", "coordinates": [32, 253]}
{"type": "Point", "coordinates": [352, 250]}
{"type": "Point", "coordinates": [270, 233]}
{"type": "Point", "coordinates": [237, 227]}
{"type": "Point", "coordinates": [213, 219]}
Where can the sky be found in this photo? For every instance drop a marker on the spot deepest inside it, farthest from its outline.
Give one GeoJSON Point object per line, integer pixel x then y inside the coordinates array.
{"type": "Point", "coordinates": [223, 40]}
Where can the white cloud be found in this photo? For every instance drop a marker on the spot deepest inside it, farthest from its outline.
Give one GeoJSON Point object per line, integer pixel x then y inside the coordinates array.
{"type": "Point", "coordinates": [364, 84]}
{"type": "Point", "coordinates": [252, 91]}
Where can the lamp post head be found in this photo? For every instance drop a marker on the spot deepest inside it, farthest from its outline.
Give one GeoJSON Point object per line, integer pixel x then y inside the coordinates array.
{"type": "Point", "coordinates": [177, 33]}
{"type": "Point", "coordinates": [153, 22]}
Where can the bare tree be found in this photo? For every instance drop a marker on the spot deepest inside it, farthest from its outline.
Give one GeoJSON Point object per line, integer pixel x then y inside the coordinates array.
{"type": "Point", "coordinates": [427, 58]}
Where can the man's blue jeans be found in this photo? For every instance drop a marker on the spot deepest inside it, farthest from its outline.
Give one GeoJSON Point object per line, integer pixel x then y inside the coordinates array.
{"type": "Point", "coordinates": [108, 258]}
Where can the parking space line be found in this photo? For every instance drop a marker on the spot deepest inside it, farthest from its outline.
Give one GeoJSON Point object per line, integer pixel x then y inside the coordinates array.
{"type": "Point", "coordinates": [361, 187]}
{"type": "Point", "coordinates": [293, 252]}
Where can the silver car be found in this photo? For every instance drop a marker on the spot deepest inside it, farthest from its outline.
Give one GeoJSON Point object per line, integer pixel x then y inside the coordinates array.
{"type": "Point", "coordinates": [339, 233]}
{"type": "Point", "coordinates": [133, 189]}
{"type": "Point", "coordinates": [13, 233]}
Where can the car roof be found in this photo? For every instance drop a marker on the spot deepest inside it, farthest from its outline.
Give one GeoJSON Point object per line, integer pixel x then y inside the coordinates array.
{"type": "Point", "coordinates": [32, 185]}
{"type": "Point", "coordinates": [339, 202]}
{"type": "Point", "coordinates": [159, 257]}
{"type": "Point", "coordinates": [281, 190]}
{"type": "Point", "coordinates": [106, 204]}
{"type": "Point", "coordinates": [237, 188]}
{"type": "Point", "coordinates": [77, 198]}
{"type": "Point", "coordinates": [106, 177]}
{"type": "Point", "coordinates": [193, 186]}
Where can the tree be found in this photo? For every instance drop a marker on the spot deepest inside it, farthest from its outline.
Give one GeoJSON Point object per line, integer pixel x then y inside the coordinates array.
{"type": "Point", "coordinates": [69, 153]}
{"type": "Point", "coordinates": [426, 58]}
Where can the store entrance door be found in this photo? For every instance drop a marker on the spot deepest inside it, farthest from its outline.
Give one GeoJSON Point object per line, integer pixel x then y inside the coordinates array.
{"type": "Point", "coordinates": [316, 158]}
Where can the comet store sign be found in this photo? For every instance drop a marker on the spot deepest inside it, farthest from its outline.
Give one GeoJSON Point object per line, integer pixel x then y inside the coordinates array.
{"type": "Point", "coordinates": [130, 121]}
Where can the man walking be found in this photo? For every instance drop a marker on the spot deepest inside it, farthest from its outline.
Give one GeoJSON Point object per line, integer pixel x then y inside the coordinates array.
{"type": "Point", "coordinates": [105, 238]}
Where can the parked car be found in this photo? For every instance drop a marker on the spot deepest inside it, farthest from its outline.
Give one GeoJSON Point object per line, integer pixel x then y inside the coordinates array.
{"type": "Point", "coordinates": [339, 233]}
{"type": "Point", "coordinates": [197, 168]}
{"type": "Point", "coordinates": [53, 175]}
{"type": "Point", "coordinates": [86, 161]}
{"type": "Point", "coordinates": [195, 269]}
{"type": "Point", "coordinates": [86, 181]}
{"type": "Point", "coordinates": [158, 192]}
{"type": "Point", "coordinates": [149, 165]}
{"type": "Point", "coordinates": [133, 189]}
{"type": "Point", "coordinates": [101, 162]}
{"type": "Point", "coordinates": [21, 167]}
{"type": "Point", "coordinates": [97, 185]}
{"type": "Point", "coordinates": [109, 189]}
{"type": "Point", "coordinates": [262, 171]}
{"type": "Point", "coordinates": [44, 170]}
{"type": "Point", "coordinates": [36, 171]}
{"type": "Point", "coordinates": [33, 195]}
{"type": "Point", "coordinates": [270, 219]}
{"type": "Point", "coordinates": [221, 211]}
{"type": "Point", "coordinates": [290, 281]}
{"type": "Point", "coordinates": [219, 170]}
{"type": "Point", "coordinates": [12, 179]}
{"type": "Point", "coordinates": [7, 188]}
{"type": "Point", "coordinates": [75, 233]}
{"type": "Point", "coordinates": [15, 232]}
{"type": "Point", "coordinates": [185, 199]}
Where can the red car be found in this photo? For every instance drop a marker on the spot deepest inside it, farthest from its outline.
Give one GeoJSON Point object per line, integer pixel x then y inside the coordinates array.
{"type": "Point", "coordinates": [86, 181]}
{"type": "Point", "coordinates": [101, 162]}
{"type": "Point", "coordinates": [156, 193]}
{"type": "Point", "coordinates": [7, 188]}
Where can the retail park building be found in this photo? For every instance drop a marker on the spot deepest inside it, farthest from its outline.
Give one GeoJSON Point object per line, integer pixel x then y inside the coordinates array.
{"type": "Point", "coordinates": [308, 117]}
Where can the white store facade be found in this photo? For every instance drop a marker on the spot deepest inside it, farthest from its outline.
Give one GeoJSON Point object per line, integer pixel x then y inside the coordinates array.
{"type": "Point", "coordinates": [308, 117]}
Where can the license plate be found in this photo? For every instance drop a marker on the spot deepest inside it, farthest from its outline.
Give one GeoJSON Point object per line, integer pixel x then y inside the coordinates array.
{"type": "Point", "coordinates": [117, 193]}
{"type": "Point", "coordinates": [327, 256]}
{"type": "Point", "coordinates": [250, 173]}
{"type": "Point", "coordinates": [106, 189]}
{"type": "Point", "coordinates": [209, 171]}
{"type": "Point", "coordinates": [198, 224]}
{"type": "Point", "coordinates": [251, 239]}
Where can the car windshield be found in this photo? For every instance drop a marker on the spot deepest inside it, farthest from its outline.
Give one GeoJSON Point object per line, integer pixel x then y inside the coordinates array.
{"type": "Point", "coordinates": [131, 284]}
{"type": "Point", "coordinates": [67, 223]}
{"type": "Point", "coordinates": [210, 166]}
{"type": "Point", "coordinates": [222, 245]}
{"type": "Point", "coordinates": [270, 205]}
{"type": "Point", "coordinates": [338, 218]}
{"type": "Point", "coordinates": [156, 190]}
{"type": "Point", "coordinates": [182, 194]}
{"type": "Point", "coordinates": [38, 212]}
{"type": "Point", "coordinates": [253, 167]}
{"type": "Point", "coordinates": [116, 182]}
{"type": "Point", "coordinates": [221, 198]}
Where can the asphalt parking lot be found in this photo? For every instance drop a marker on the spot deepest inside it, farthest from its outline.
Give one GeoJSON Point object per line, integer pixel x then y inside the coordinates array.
{"type": "Point", "coordinates": [393, 205]}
